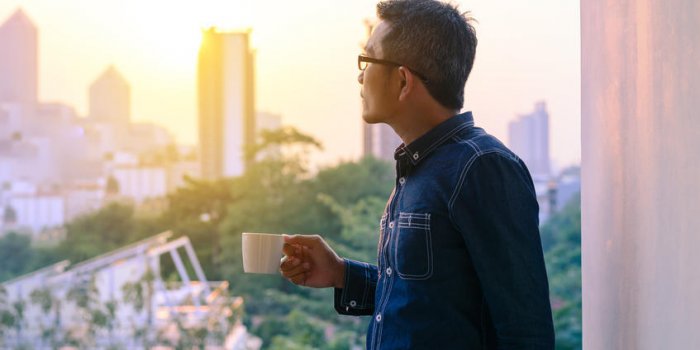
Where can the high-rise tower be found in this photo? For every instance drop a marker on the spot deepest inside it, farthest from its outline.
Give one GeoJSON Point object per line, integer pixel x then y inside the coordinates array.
{"type": "Point", "coordinates": [528, 137]}
{"type": "Point", "coordinates": [110, 98]}
{"type": "Point", "coordinates": [226, 94]}
{"type": "Point", "coordinates": [19, 62]}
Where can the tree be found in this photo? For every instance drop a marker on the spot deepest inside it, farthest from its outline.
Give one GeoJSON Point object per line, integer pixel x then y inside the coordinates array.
{"type": "Point", "coordinates": [561, 240]}
{"type": "Point", "coordinates": [360, 226]}
{"type": "Point", "coordinates": [197, 210]}
{"type": "Point", "coordinates": [298, 330]}
{"type": "Point", "coordinates": [16, 254]}
{"type": "Point", "coordinates": [97, 233]}
{"type": "Point", "coordinates": [297, 143]}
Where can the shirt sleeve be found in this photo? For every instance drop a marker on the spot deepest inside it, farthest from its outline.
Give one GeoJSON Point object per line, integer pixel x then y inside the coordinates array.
{"type": "Point", "coordinates": [495, 209]}
{"type": "Point", "coordinates": [357, 298]}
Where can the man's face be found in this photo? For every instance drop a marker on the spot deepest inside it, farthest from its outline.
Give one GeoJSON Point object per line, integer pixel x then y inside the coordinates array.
{"type": "Point", "coordinates": [378, 105]}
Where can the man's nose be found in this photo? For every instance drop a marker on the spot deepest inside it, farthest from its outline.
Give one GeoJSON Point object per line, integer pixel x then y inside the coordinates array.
{"type": "Point", "coordinates": [361, 77]}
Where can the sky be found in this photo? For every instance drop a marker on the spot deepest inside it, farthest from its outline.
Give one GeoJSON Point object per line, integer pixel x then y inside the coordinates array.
{"type": "Point", "coordinates": [306, 57]}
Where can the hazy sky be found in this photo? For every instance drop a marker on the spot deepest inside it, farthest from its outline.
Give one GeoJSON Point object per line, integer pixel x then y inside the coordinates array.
{"type": "Point", "coordinates": [306, 61]}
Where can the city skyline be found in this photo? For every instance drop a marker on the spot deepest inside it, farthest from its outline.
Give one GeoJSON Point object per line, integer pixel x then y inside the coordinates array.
{"type": "Point", "coordinates": [304, 73]}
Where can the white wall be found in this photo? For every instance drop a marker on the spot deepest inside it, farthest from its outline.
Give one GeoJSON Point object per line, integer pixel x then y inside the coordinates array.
{"type": "Point", "coordinates": [640, 174]}
{"type": "Point", "coordinates": [39, 212]}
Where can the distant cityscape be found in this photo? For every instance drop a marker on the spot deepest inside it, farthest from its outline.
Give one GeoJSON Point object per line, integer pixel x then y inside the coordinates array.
{"type": "Point", "coordinates": [56, 165]}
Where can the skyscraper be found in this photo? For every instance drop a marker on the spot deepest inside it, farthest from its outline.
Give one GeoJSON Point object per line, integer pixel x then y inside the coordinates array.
{"type": "Point", "coordinates": [380, 141]}
{"type": "Point", "coordinates": [528, 137]}
{"type": "Point", "coordinates": [110, 98]}
{"type": "Point", "coordinates": [226, 93]}
{"type": "Point", "coordinates": [19, 60]}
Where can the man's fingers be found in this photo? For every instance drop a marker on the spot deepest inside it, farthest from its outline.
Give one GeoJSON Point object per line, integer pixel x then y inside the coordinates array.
{"type": "Point", "coordinates": [289, 262]}
{"type": "Point", "coordinates": [292, 249]}
{"type": "Point", "coordinates": [299, 279]}
{"type": "Point", "coordinates": [292, 269]}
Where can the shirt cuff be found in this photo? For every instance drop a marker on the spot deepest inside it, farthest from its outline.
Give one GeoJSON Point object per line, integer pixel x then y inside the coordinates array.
{"type": "Point", "coordinates": [357, 298]}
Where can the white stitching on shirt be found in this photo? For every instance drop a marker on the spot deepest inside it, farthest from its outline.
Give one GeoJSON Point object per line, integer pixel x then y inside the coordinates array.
{"type": "Point", "coordinates": [424, 225]}
{"type": "Point", "coordinates": [463, 175]}
{"type": "Point", "coordinates": [447, 135]}
{"type": "Point", "coordinates": [475, 146]}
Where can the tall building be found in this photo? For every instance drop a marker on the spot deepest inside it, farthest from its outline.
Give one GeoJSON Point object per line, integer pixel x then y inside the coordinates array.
{"type": "Point", "coordinates": [110, 98]}
{"type": "Point", "coordinates": [380, 141]}
{"type": "Point", "coordinates": [226, 92]}
{"type": "Point", "coordinates": [19, 63]}
{"type": "Point", "coordinates": [528, 137]}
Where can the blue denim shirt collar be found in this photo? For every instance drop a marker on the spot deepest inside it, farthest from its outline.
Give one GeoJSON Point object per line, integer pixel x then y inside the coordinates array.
{"type": "Point", "coordinates": [424, 145]}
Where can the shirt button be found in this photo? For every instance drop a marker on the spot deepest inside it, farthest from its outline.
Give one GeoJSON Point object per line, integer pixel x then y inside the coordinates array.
{"type": "Point", "coordinates": [402, 180]}
{"type": "Point", "coordinates": [391, 224]}
{"type": "Point", "coordinates": [415, 155]}
{"type": "Point", "coordinates": [378, 318]}
{"type": "Point", "coordinates": [353, 303]}
{"type": "Point", "coordinates": [388, 271]}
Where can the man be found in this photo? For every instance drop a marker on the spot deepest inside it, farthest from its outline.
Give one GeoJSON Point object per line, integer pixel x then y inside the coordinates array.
{"type": "Point", "coordinates": [460, 263]}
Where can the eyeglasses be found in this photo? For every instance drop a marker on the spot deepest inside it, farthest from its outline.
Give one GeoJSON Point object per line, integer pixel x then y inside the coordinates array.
{"type": "Point", "coordinates": [362, 62]}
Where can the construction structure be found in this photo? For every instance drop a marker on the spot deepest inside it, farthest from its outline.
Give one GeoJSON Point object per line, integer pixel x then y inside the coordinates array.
{"type": "Point", "coordinates": [120, 300]}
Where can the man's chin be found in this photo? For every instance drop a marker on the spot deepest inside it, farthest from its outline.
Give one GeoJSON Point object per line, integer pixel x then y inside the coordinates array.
{"type": "Point", "coordinates": [370, 119]}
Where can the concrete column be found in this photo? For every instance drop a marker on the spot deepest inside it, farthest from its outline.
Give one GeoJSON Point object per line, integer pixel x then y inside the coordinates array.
{"type": "Point", "coordinates": [640, 174]}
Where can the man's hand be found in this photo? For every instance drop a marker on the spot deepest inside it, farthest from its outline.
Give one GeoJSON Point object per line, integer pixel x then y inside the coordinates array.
{"type": "Point", "coordinates": [310, 262]}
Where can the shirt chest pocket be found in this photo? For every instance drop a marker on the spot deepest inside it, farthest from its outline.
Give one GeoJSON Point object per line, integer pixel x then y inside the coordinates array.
{"type": "Point", "coordinates": [413, 249]}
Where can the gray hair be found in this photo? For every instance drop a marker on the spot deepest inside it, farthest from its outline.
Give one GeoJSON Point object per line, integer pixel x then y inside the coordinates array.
{"type": "Point", "coordinates": [436, 40]}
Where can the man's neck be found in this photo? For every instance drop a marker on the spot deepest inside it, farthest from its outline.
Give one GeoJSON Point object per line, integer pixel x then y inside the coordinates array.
{"type": "Point", "coordinates": [411, 126]}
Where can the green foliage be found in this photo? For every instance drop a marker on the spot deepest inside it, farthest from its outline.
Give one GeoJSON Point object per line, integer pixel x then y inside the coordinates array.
{"type": "Point", "coordinates": [16, 252]}
{"type": "Point", "coordinates": [94, 234]}
{"type": "Point", "coordinates": [18, 257]}
{"type": "Point", "coordinates": [360, 225]}
{"type": "Point", "coordinates": [298, 330]}
{"type": "Point", "coordinates": [561, 239]}
{"type": "Point", "coordinates": [288, 137]}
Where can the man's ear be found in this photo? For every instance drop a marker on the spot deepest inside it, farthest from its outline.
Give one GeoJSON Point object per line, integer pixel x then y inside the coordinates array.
{"type": "Point", "coordinates": [407, 83]}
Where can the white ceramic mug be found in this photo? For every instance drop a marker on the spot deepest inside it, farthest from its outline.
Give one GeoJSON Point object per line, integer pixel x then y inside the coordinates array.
{"type": "Point", "coordinates": [262, 252]}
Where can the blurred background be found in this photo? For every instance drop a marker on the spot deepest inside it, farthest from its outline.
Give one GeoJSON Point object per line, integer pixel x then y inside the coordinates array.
{"type": "Point", "coordinates": [139, 139]}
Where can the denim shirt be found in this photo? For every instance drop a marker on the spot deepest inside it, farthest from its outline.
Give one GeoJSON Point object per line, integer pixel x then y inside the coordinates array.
{"type": "Point", "coordinates": [460, 262]}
